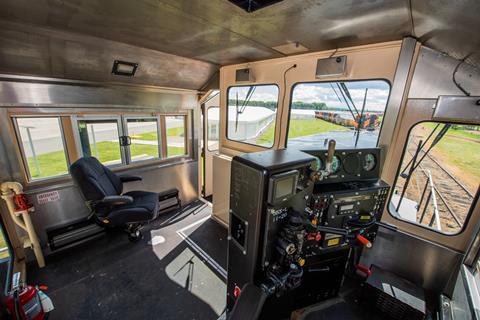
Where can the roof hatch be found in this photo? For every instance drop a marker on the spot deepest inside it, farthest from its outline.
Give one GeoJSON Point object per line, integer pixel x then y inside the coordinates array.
{"type": "Point", "coordinates": [253, 5]}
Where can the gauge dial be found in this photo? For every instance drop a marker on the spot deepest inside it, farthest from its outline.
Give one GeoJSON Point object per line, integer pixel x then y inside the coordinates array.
{"type": "Point", "coordinates": [369, 162]}
{"type": "Point", "coordinates": [335, 164]}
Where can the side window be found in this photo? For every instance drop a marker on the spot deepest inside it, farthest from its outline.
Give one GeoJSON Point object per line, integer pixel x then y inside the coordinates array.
{"type": "Point", "coordinates": [4, 249]}
{"type": "Point", "coordinates": [6, 262]}
{"type": "Point", "coordinates": [42, 146]}
{"type": "Point", "coordinates": [349, 112]}
{"type": "Point", "coordinates": [100, 139]}
{"type": "Point", "coordinates": [176, 135]}
{"type": "Point", "coordinates": [213, 128]}
{"type": "Point", "coordinates": [144, 142]}
{"type": "Point", "coordinates": [439, 176]}
{"type": "Point", "coordinates": [252, 112]}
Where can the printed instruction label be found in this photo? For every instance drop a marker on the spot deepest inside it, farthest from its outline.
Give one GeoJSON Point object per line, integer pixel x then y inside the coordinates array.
{"type": "Point", "coordinates": [45, 197]}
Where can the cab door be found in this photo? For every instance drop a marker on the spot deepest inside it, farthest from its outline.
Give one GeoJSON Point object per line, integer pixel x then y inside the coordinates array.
{"type": "Point", "coordinates": [211, 131]}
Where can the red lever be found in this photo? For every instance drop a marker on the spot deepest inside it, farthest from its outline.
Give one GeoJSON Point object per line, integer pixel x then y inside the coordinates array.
{"type": "Point", "coordinates": [364, 241]}
{"type": "Point", "coordinates": [363, 269]}
{"type": "Point", "coordinates": [236, 292]}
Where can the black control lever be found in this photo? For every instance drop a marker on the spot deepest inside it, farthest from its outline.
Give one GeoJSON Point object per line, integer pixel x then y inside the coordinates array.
{"type": "Point", "coordinates": [249, 304]}
{"type": "Point", "coordinates": [342, 232]}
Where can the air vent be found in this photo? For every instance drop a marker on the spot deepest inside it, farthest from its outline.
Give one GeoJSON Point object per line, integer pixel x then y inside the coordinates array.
{"type": "Point", "coordinates": [253, 5]}
{"type": "Point", "coordinates": [334, 66]}
{"type": "Point", "coordinates": [290, 48]}
{"type": "Point", "coordinates": [243, 75]}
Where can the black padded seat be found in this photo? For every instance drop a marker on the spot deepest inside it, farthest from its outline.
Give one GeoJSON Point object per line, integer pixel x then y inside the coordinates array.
{"type": "Point", "coordinates": [103, 192]}
{"type": "Point", "coordinates": [143, 209]}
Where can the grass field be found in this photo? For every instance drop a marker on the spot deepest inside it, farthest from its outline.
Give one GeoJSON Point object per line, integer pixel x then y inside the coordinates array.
{"type": "Point", "coordinates": [461, 156]}
{"type": "Point", "coordinates": [299, 128]}
{"type": "Point", "coordinates": [3, 254]}
{"type": "Point", "coordinates": [54, 163]}
{"type": "Point", "coordinates": [178, 131]}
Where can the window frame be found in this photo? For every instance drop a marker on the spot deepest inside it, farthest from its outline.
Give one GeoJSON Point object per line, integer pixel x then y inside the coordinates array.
{"type": "Point", "coordinates": [9, 260]}
{"type": "Point", "coordinates": [426, 227]}
{"type": "Point", "coordinates": [21, 149]}
{"type": "Point", "coordinates": [165, 135]}
{"type": "Point", "coordinates": [276, 115]}
{"type": "Point", "coordinates": [68, 122]}
{"type": "Point", "coordinates": [388, 82]}
{"type": "Point", "coordinates": [120, 131]}
{"type": "Point", "coordinates": [128, 155]}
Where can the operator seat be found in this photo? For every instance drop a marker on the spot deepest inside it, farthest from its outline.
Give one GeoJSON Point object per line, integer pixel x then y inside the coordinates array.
{"type": "Point", "coordinates": [102, 190]}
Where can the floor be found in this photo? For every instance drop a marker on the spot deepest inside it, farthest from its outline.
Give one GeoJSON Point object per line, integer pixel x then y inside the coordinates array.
{"type": "Point", "coordinates": [176, 272]}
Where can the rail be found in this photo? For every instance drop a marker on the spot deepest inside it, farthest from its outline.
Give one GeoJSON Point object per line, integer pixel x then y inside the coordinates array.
{"type": "Point", "coordinates": [440, 195]}
{"type": "Point", "coordinates": [431, 196]}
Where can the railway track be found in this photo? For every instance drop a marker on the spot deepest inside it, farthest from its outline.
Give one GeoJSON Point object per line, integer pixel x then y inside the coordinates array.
{"type": "Point", "coordinates": [455, 197]}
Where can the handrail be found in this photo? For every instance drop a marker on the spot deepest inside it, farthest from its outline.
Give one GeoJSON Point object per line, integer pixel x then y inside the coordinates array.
{"type": "Point", "coordinates": [429, 196]}
{"type": "Point", "coordinates": [435, 215]}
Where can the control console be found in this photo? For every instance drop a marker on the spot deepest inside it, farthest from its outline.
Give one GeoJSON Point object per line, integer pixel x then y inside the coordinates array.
{"type": "Point", "coordinates": [294, 221]}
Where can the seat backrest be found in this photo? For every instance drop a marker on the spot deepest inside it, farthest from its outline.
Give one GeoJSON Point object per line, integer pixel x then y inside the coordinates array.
{"type": "Point", "coordinates": [94, 179]}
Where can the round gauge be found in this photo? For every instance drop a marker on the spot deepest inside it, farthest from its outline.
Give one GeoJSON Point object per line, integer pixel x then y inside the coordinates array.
{"type": "Point", "coordinates": [369, 162]}
{"type": "Point", "coordinates": [335, 164]}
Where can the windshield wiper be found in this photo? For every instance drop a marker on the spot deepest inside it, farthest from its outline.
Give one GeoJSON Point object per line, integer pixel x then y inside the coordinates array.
{"type": "Point", "coordinates": [436, 140]}
{"type": "Point", "coordinates": [413, 164]}
{"type": "Point", "coordinates": [250, 92]}
{"type": "Point", "coordinates": [345, 99]}
{"type": "Point", "coordinates": [347, 93]}
{"type": "Point", "coordinates": [360, 121]}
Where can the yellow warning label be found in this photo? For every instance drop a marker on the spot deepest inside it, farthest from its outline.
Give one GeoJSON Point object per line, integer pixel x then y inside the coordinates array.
{"type": "Point", "coordinates": [333, 242]}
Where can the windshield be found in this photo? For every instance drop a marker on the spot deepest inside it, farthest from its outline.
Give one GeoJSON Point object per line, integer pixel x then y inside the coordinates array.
{"type": "Point", "coordinates": [349, 112]}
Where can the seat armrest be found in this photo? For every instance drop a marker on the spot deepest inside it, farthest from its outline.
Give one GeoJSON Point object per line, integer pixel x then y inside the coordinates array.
{"type": "Point", "coordinates": [129, 178]}
{"type": "Point", "coordinates": [116, 200]}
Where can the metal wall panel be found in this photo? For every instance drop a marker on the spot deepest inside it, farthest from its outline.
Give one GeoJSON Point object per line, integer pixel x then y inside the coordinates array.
{"type": "Point", "coordinates": [433, 76]}
{"type": "Point", "coordinates": [68, 96]}
{"type": "Point", "coordinates": [422, 262]}
{"type": "Point", "coordinates": [71, 206]}
{"type": "Point", "coordinates": [51, 94]}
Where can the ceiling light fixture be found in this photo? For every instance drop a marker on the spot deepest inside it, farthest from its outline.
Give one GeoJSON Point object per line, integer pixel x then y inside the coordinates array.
{"type": "Point", "coordinates": [123, 68]}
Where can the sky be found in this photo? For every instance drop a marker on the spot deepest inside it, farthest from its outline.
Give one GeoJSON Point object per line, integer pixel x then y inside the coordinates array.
{"type": "Point", "coordinates": [377, 96]}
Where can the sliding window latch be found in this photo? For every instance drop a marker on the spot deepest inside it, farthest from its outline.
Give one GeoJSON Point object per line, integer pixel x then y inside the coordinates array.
{"type": "Point", "coordinates": [125, 141]}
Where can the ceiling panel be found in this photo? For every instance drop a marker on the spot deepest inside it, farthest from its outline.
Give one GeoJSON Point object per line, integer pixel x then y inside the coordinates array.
{"type": "Point", "coordinates": [449, 26]}
{"type": "Point", "coordinates": [43, 52]}
{"type": "Point", "coordinates": [220, 33]}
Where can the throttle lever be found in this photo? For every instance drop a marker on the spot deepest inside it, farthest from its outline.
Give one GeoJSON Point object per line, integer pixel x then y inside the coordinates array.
{"type": "Point", "coordinates": [330, 154]}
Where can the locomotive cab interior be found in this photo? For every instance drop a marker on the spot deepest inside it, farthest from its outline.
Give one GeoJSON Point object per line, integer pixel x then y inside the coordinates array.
{"type": "Point", "coordinates": [230, 160]}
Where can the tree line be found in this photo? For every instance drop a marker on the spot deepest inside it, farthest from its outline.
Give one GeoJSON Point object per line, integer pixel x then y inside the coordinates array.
{"type": "Point", "coordinates": [273, 105]}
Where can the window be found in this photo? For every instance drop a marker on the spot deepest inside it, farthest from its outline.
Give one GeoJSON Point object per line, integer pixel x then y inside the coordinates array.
{"type": "Point", "coordinates": [42, 146]}
{"type": "Point", "coordinates": [349, 112]}
{"type": "Point", "coordinates": [252, 111]}
{"type": "Point", "coordinates": [100, 139]}
{"type": "Point", "coordinates": [213, 128]}
{"type": "Point", "coordinates": [439, 176]}
{"type": "Point", "coordinates": [144, 142]}
{"type": "Point", "coordinates": [176, 135]}
{"type": "Point", "coordinates": [4, 249]}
